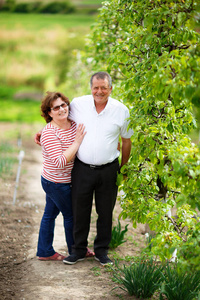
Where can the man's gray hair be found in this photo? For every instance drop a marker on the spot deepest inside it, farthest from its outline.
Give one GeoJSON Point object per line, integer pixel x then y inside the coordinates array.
{"type": "Point", "coordinates": [101, 75]}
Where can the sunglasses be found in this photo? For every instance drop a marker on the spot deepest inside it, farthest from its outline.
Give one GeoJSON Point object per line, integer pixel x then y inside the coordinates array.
{"type": "Point", "coordinates": [57, 107]}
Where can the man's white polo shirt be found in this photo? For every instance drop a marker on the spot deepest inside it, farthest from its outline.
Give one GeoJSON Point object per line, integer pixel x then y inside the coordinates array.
{"type": "Point", "coordinates": [100, 143]}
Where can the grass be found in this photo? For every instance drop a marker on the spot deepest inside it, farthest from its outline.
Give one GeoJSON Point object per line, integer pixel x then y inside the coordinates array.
{"type": "Point", "coordinates": [144, 278]}
{"type": "Point", "coordinates": [7, 160]}
{"type": "Point", "coordinates": [96, 271]}
{"type": "Point", "coordinates": [6, 165]}
{"type": "Point", "coordinates": [88, 2]}
{"type": "Point", "coordinates": [36, 49]}
{"type": "Point", "coordinates": [26, 110]}
{"type": "Point", "coordinates": [117, 236]}
{"type": "Point", "coordinates": [22, 111]}
{"type": "Point", "coordinates": [34, 22]}
{"type": "Point", "coordinates": [180, 286]}
{"type": "Point", "coordinates": [141, 279]}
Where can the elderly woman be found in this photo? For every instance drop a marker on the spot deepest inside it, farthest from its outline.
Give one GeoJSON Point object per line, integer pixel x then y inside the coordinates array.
{"type": "Point", "coordinates": [60, 141]}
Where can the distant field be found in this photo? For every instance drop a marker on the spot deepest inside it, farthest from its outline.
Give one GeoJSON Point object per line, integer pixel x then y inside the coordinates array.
{"type": "Point", "coordinates": [35, 51]}
{"type": "Point", "coordinates": [36, 41]}
{"type": "Point", "coordinates": [22, 111]}
{"type": "Point", "coordinates": [11, 21]}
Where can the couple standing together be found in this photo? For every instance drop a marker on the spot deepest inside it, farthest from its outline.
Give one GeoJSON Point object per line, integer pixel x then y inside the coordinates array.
{"type": "Point", "coordinates": [80, 160]}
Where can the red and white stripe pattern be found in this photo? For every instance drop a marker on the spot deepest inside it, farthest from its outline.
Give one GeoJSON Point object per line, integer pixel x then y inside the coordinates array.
{"type": "Point", "coordinates": [54, 142]}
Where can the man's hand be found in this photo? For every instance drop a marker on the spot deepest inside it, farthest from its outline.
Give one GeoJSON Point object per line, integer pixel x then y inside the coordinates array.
{"type": "Point", "coordinates": [80, 133]}
{"type": "Point", "coordinates": [37, 138]}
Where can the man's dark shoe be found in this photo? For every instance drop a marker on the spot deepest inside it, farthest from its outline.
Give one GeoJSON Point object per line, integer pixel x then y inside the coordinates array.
{"type": "Point", "coordinates": [103, 259]}
{"type": "Point", "coordinates": [72, 259]}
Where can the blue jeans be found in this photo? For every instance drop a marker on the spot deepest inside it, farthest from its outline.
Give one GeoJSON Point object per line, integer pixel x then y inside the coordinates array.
{"type": "Point", "coordinates": [58, 199]}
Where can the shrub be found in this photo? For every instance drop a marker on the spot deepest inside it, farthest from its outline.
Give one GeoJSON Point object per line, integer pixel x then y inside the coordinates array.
{"type": "Point", "coordinates": [57, 7]}
{"type": "Point", "coordinates": [38, 6]}
{"type": "Point", "coordinates": [140, 279]}
{"type": "Point", "coordinates": [117, 236]}
{"type": "Point", "coordinates": [22, 8]}
{"type": "Point", "coordinates": [36, 81]}
{"type": "Point", "coordinates": [8, 5]}
{"type": "Point", "coordinates": [35, 6]}
{"type": "Point", "coordinates": [179, 285]}
{"type": "Point", "coordinates": [29, 7]}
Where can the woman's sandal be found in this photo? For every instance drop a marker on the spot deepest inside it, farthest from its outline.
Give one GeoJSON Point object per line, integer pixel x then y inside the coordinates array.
{"type": "Point", "coordinates": [55, 257]}
{"type": "Point", "coordinates": [89, 253]}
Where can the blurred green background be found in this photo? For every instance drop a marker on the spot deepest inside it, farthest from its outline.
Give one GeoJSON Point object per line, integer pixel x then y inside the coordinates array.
{"type": "Point", "coordinates": [41, 48]}
{"type": "Point", "coordinates": [41, 51]}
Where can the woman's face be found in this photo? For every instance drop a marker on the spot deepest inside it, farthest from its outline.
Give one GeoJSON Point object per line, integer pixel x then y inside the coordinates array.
{"type": "Point", "coordinates": [59, 110]}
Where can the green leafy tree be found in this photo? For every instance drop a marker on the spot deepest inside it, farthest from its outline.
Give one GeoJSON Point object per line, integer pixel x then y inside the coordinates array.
{"type": "Point", "coordinates": [152, 51]}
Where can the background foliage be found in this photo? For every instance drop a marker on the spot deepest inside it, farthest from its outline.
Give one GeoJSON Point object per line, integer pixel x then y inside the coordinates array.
{"type": "Point", "coordinates": [46, 52]}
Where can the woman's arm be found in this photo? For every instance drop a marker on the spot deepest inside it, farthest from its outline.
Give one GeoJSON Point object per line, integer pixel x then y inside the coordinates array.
{"type": "Point", "coordinates": [37, 137]}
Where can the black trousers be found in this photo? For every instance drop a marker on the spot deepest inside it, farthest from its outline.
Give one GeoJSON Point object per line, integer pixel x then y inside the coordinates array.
{"type": "Point", "coordinates": [100, 183]}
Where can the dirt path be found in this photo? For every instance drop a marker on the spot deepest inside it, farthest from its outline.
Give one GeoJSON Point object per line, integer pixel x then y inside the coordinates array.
{"type": "Point", "coordinates": [32, 279]}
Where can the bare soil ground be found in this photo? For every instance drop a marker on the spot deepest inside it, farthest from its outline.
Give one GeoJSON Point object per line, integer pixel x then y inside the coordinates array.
{"type": "Point", "coordinates": [22, 276]}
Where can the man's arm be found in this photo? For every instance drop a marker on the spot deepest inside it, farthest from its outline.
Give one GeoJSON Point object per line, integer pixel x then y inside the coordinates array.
{"type": "Point", "coordinates": [126, 150]}
{"type": "Point", "coordinates": [37, 137]}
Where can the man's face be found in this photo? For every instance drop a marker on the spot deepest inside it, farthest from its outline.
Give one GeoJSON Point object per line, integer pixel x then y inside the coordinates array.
{"type": "Point", "coordinates": [100, 90]}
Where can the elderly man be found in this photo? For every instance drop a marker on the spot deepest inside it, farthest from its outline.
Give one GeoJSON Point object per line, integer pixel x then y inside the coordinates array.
{"type": "Point", "coordinates": [96, 165]}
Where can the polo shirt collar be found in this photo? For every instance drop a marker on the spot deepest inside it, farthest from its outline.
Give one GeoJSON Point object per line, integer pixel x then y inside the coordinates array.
{"type": "Point", "coordinates": [106, 107]}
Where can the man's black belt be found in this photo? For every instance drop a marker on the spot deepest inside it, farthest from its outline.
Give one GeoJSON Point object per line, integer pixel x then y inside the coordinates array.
{"type": "Point", "coordinates": [98, 166]}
